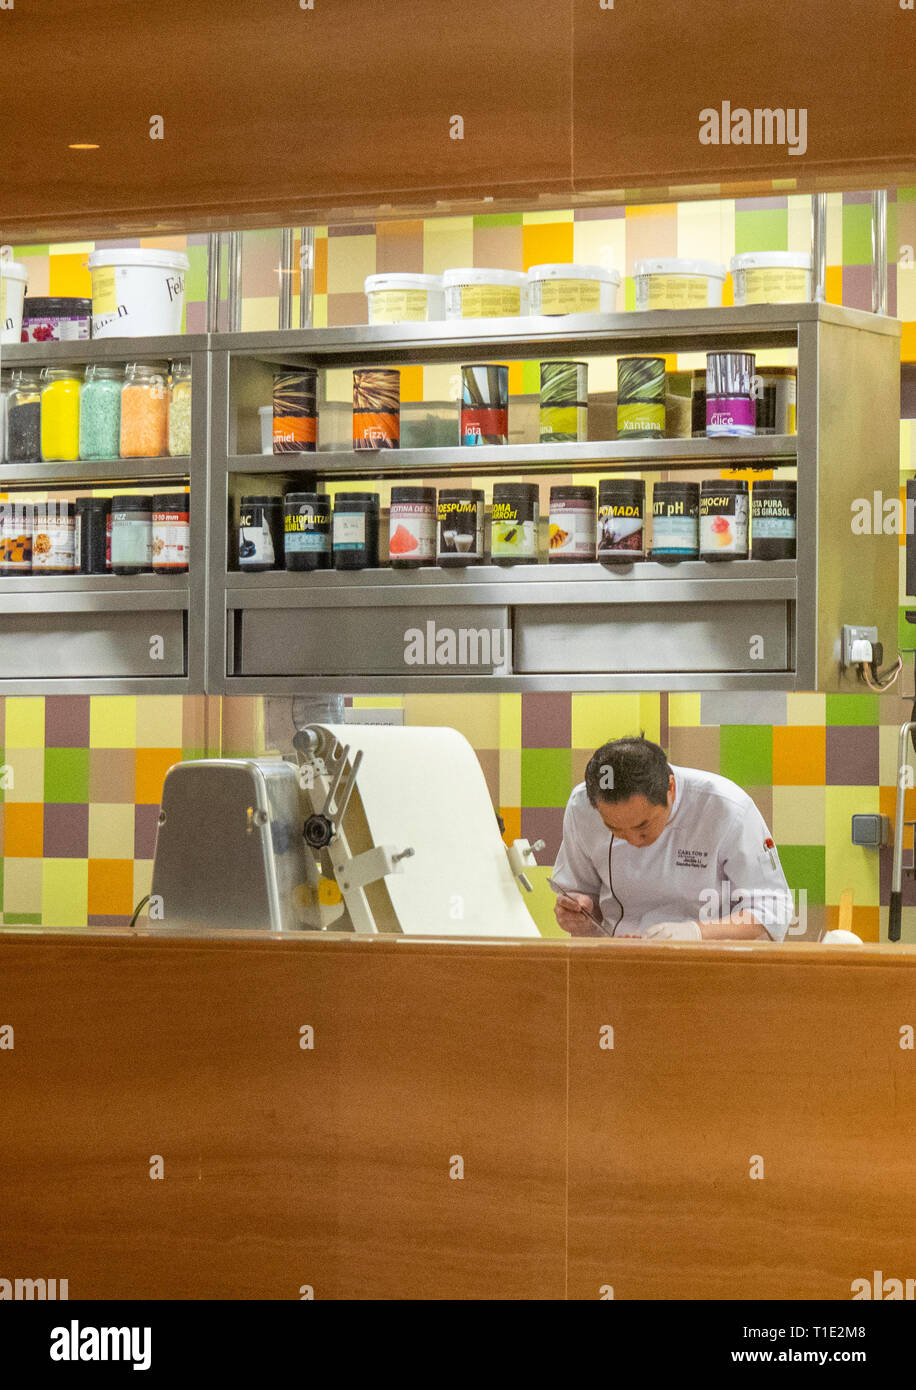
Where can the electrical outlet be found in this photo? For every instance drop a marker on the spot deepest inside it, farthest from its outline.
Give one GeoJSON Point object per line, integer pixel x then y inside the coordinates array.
{"type": "Point", "coordinates": [853, 634]}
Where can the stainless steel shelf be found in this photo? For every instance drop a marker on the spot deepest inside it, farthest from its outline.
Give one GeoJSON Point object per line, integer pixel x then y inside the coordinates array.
{"type": "Point", "coordinates": [93, 473]}
{"type": "Point", "coordinates": [159, 349]}
{"type": "Point", "coordinates": [607, 455]}
{"type": "Point", "coordinates": [502, 685]}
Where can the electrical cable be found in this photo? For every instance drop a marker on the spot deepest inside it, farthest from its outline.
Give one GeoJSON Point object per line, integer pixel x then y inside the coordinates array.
{"type": "Point", "coordinates": [610, 880]}
{"type": "Point", "coordinates": [138, 909]}
{"type": "Point", "coordinates": [881, 682]}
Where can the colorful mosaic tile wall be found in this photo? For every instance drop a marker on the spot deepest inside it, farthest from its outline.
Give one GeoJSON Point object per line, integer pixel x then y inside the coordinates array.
{"type": "Point", "coordinates": [77, 823]}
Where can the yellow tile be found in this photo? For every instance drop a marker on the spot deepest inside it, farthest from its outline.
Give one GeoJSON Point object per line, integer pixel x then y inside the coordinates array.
{"type": "Point", "coordinates": [319, 311]}
{"type": "Point", "coordinates": [111, 831]}
{"type": "Point", "coordinates": [259, 313]}
{"type": "Point", "coordinates": [378, 701]}
{"type": "Point", "coordinates": [448, 244]}
{"type": "Point", "coordinates": [143, 879]}
{"type": "Point", "coordinates": [69, 275]}
{"type": "Point", "coordinates": [475, 716]}
{"type": "Point", "coordinates": [113, 721]}
{"type": "Point", "coordinates": [159, 725]}
{"type": "Point", "coordinates": [847, 865]}
{"type": "Point", "coordinates": [706, 230]}
{"type": "Point", "coordinates": [596, 719]}
{"type": "Point", "coordinates": [64, 892]}
{"type": "Point", "coordinates": [510, 721]}
{"type": "Point", "coordinates": [602, 242]}
{"type": "Point", "coordinates": [798, 815]}
{"type": "Point", "coordinates": [350, 260]}
{"type": "Point", "coordinates": [510, 777]}
{"type": "Point", "coordinates": [540, 902]}
{"type": "Point", "coordinates": [25, 779]}
{"type": "Point", "coordinates": [22, 885]}
{"type": "Point", "coordinates": [684, 711]}
{"type": "Point", "coordinates": [534, 219]}
{"type": "Point", "coordinates": [806, 710]}
{"type": "Point", "coordinates": [25, 721]}
{"type": "Point", "coordinates": [650, 716]}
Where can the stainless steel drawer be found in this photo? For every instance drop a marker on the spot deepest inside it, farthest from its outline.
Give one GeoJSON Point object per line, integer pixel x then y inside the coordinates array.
{"type": "Point", "coordinates": [148, 643]}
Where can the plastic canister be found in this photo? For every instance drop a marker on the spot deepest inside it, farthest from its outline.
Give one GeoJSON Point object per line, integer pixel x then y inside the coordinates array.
{"type": "Point", "coordinates": [731, 402]}
{"type": "Point", "coordinates": [678, 282]}
{"type": "Point", "coordinates": [558, 288]}
{"type": "Point", "coordinates": [404, 298]}
{"type": "Point", "coordinates": [773, 519]}
{"type": "Point", "coordinates": [460, 515]}
{"type": "Point", "coordinates": [295, 399]}
{"type": "Point", "coordinates": [571, 538]}
{"type": "Point", "coordinates": [16, 537]}
{"type": "Point", "coordinates": [621, 520]}
{"type": "Point", "coordinates": [354, 530]}
{"type": "Point", "coordinates": [93, 535]}
{"type": "Point", "coordinates": [131, 534]}
{"type": "Point", "coordinates": [260, 534]}
{"type": "Point", "coordinates": [563, 413]}
{"type": "Point", "coordinates": [514, 529]}
{"type": "Point", "coordinates": [772, 277]}
{"type": "Point", "coordinates": [723, 519]}
{"type": "Point", "coordinates": [775, 389]}
{"type": "Point", "coordinates": [54, 538]}
{"type": "Point", "coordinates": [412, 535]}
{"type": "Point", "coordinates": [13, 280]}
{"type": "Point", "coordinates": [484, 294]}
{"type": "Point", "coordinates": [136, 291]}
{"type": "Point", "coordinates": [56, 320]}
{"type": "Point", "coordinates": [171, 532]}
{"type": "Point", "coordinates": [641, 397]}
{"type": "Point", "coordinates": [307, 531]}
{"type": "Point", "coordinates": [675, 521]}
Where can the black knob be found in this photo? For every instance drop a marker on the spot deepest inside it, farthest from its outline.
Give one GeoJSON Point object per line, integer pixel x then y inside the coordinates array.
{"type": "Point", "coordinates": [318, 831]}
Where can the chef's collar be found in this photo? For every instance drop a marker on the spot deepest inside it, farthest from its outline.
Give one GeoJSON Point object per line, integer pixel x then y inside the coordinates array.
{"type": "Point", "coordinates": [677, 794]}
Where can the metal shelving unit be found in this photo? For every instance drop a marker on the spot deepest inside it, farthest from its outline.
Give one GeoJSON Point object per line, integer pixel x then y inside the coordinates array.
{"type": "Point", "coordinates": [110, 634]}
{"type": "Point", "coordinates": [694, 626]}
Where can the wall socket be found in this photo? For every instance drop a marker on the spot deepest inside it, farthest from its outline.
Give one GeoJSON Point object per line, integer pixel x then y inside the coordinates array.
{"type": "Point", "coordinates": [856, 634]}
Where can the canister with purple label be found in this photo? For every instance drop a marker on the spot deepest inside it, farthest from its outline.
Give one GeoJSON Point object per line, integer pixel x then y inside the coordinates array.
{"type": "Point", "coordinates": [731, 403]}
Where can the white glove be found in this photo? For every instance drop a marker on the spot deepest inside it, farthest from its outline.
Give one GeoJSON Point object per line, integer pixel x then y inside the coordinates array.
{"type": "Point", "coordinates": [681, 930]}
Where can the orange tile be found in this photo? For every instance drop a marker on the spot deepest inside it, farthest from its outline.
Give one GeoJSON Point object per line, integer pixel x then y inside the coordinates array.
{"type": "Point", "coordinates": [833, 284]}
{"type": "Point", "coordinates": [320, 285]}
{"type": "Point", "coordinates": [69, 275]}
{"type": "Point", "coordinates": [151, 766]}
{"type": "Point", "coordinates": [887, 805]}
{"type": "Point", "coordinates": [111, 887]}
{"type": "Point", "coordinates": [908, 342]}
{"type": "Point", "coordinates": [866, 921]}
{"type": "Point", "coordinates": [728, 291]}
{"type": "Point", "coordinates": [512, 817]}
{"type": "Point", "coordinates": [799, 756]}
{"type": "Point", "coordinates": [544, 242]}
{"type": "Point", "coordinates": [411, 384]}
{"type": "Point", "coordinates": [651, 210]}
{"type": "Point", "coordinates": [23, 836]}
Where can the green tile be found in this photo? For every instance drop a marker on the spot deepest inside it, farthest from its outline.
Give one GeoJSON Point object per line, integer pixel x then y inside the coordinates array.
{"type": "Point", "coordinates": [746, 754]}
{"type": "Point", "coordinates": [805, 867]}
{"type": "Point", "coordinates": [852, 709]}
{"type": "Point", "coordinates": [498, 219]}
{"type": "Point", "coordinates": [195, 281]}
{"type": "Point", "coordinates": [857, 234]}
{"type": "Point", "coordinates": [66, 774]}
{"type": "Point", "coordinates": [546, 776]}
{"type": "Point", "coordinates": [906, 632]}
{"type": "Point", "coordinates": [766, 229]}
{"type": "Point", "coordinates": [906, 195]}
{"type": "Point", "coordinates": [22, 919]}
{"type": "Point", "coordinates": [20, 251]}
{"type": "Point", "coordinates": [531, 378]}
{"type": "Point", "coordinates": [629, 294]}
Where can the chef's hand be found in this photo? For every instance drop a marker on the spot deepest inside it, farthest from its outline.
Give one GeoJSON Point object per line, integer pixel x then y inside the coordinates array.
{"type": "Point", "coordinates": [674, 931]}
{"type": "Point", "coordinates": [576, 923]}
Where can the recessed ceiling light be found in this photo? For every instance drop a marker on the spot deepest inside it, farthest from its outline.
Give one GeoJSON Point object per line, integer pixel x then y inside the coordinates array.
{"type": "Point", "coordinates": [82, 147]}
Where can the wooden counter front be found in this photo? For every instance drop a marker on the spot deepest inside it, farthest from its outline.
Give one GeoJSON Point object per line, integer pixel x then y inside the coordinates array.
{"type": "Point", "coordinates": [749, 1135]}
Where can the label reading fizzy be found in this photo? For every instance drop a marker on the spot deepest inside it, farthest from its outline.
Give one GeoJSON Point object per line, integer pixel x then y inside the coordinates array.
{"type": "Point", "coordinates": [672, 291]}
{"type": "Point", "coordinates": [398, 306]}
{"type": "Point", "coordinates": [568, 297]}
{"type": "Point", "coordinates": [349, 530]}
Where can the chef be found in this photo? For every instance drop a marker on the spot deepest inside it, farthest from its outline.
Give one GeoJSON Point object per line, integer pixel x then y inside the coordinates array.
{"type": "Point", "coordinates": [666, 853]}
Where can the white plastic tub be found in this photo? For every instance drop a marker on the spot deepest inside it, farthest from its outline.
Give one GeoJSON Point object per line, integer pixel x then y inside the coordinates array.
{"type": "Point", "coordinates": [137, 292]}
{"type": "Point", "coordinates": [678, 282]}
{"type": "Point", "coordinates": [564, 288]}
{"type": "Point", "coordinates": [772, 277]}
{"type": "Point", "coordinates": [13, 280]}
{"type": "Point", "coordinates": [404, 298]}
{"type": "Point", "coordinates": [484, 294]}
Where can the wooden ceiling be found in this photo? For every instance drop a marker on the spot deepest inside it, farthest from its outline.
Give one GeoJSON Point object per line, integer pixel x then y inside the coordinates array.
{"type": "Point", "coordinates": [278, 115]}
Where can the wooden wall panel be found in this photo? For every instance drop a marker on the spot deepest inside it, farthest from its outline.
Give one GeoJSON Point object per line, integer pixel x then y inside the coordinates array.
{"type": "Point", "coordinates": [330, 1167]}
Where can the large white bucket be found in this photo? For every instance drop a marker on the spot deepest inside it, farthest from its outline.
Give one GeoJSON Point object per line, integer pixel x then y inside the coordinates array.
{"type": "Point", "coordinates": [137, 292]}
{"type": "Point", "coordinates": [13, 278]}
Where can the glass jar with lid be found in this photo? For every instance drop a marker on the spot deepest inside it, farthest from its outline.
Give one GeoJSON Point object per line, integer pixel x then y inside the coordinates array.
{"type": "Point", "coordinates": [180, 409]}
{"type": "Point", "coordinates": [144, 411]}
{"type": "Point", "coordinates": [4, 393]}
{"type": "Point", "coordinates": [100, 412]}
{"type": "Point", "coordinates": [23, 418]}
{"type": "Point", "coordinates": [60, 413]}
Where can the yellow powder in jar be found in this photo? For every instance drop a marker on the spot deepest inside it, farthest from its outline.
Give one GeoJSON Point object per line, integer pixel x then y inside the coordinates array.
{"type": "Point", "coordinates": [180, 419]}
{"type": "Point", "coordinates": [60, 420]}
{"type": "Point", "coordinates": [144, 421]}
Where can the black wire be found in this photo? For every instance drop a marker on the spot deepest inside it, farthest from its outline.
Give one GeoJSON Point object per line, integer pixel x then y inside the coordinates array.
{"type": "Point", "coordinates": [610, 880]}
{"type": "Point", "coordinates": [139, 908]}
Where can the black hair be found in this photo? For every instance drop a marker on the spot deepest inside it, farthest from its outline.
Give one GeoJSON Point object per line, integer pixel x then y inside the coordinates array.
{"type": "Point", "coordinates": [628, 767]}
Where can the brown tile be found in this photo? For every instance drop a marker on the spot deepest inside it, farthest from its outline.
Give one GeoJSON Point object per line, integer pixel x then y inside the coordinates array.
{"type": "Point", "coordinates": [546, 720]}
{"type": "Point", "coordinates": [695, 748]}
{"type": "Point", "coordinates": [399, 246]}
{"type": "Point", "coordinates": [345, 310]}
{"type": "Point", "coordinates": [67, 721]}
{"type": "Point", "coordinates": [112, 774]}
{"type": "Point", "coordinates": [489, 762]}
{"type": "Point", "coordinates": [762, 798]}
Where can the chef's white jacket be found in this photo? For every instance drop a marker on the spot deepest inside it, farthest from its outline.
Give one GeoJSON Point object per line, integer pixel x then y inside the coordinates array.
{"type": "Point", "coordinates": [715, 856]}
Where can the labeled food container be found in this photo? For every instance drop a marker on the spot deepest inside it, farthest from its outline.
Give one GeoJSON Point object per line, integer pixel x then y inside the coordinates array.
{"type": "Point", "coordinates": [563, 413]}
{"type": "Point", "coordinates": [295, 402]}
{"type": "Point", "coordinates": [723, 519]}
{"type": "Point", "coordinates": [54, 538]}
{"type": "Point", "coordinates": [484, 417]}
{"type": "Point", "coordinates": [641, 397]}
{"type": "Point", "coordinates": [171, 532]}
{"type": "Point", "coordinates": [56, 320]}
{"type": "Point", "coordinates": [13, 280]}
{"type": "Point", "coordinates": [4, 396]}
{"type": "Point", "coordinates": [131, 534]}
{"type": "Point", "coordinates": [514, 528]}
{"type": "Point", "coordinates": [404, 298]}
{"type": "Point", "coordinates": [771, 277]}
{"type": "Point", "coordinates": [698, 403]}
{"type": "Point", "coordinates": [775, 389]}
{"type": "Point", "coordinates": [100, 412]}
{"type": "Point", "coordinates": [307, 531]}
{"type": "Point", "coordinates": [460, 514]}
{"type": "Point", "coordinates": [773, 519]}
{"type": "Point", "coordinates": [412, 531]}
{"type": "Point", "coordinates": [144, 411]}
{"type": "Point", "coordinates": [355, 527]}
{"type": "Point", "coordinates": [557, 288]}
{"type": "Point", "coordinates": [93, 535]}
{"type": "Point", "coordinates": [675, 521]}
{"type": "Point", "coordinates": [16, 520]}
{"type": "Point", "coordinates": [23, 418]}
{"type": "Point", "coordinates": [180, 409]}
{"type": "Point", "coordinates": [60, 414]}
{"type": "Point", "coordinates": [137, 292]}
{"type": "Point", "coordinates": [571, 537]}
{"type": "Point", "coordinates": [377, 408]}
{"type": "Point", "coordinates": [260, 534]}
{"type": "Point", "coordinates": [731, 402]}
{"type": "Point", "coordinates": [678, 282]}
{"type": "Point", "coordinates": [621, 520]}
{"type": "Point", "coordinates": [484, 294]}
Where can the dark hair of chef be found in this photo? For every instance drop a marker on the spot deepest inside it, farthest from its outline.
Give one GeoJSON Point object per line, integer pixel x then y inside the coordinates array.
{"type": "Point", "coordinates": [628, 767]}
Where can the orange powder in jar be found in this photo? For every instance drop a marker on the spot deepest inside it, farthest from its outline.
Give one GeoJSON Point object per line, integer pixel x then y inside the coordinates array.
{"type": "Point", "coordinates": [144, 411]}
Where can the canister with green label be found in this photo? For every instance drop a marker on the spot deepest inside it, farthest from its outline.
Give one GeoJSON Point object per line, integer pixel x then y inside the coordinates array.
{"type": "Point", "coordinates": [564, 402]}
{"type": "Point", "coordinates": [641, 397]}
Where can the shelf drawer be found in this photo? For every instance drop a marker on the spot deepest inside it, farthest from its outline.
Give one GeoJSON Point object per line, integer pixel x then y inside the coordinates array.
{"type": "Point", "coordinates": [396, 640]}
{"type": "Point", "coordinates": [650, 637]}
{"type": "Point", "coordinates": [85, 644]}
